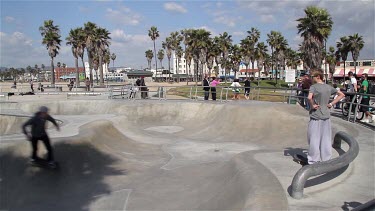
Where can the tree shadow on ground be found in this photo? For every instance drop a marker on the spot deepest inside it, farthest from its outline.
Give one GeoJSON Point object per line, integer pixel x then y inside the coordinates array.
{"type": "Point", "coordinates": [321, 178]}
{"type": "Point", "coordinates": [73, 186]}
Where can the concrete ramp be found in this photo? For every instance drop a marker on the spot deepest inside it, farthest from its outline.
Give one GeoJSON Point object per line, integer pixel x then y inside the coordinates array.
{"type": "Point", "coordinates": [173, 156]}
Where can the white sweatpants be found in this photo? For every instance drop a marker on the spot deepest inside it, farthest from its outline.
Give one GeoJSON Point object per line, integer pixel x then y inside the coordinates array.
{"type": "Point", "coordinates": [319, 136]}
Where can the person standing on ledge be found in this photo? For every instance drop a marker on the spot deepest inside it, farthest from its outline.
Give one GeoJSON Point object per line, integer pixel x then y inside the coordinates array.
{"type": "Point", "coordinates": [319, 132]}
{"type": "Point", "coordinates": [38, 132]}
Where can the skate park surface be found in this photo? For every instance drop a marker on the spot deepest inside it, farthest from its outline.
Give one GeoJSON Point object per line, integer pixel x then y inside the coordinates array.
{"type": "Point", "coordinates": [174, 155]}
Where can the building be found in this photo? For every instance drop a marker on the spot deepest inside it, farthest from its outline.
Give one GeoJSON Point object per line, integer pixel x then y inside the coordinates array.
{"type": "Point", "coordinates": [363, 66]}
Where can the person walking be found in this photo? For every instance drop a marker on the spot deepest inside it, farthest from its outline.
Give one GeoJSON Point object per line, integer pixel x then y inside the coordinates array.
{"type": "Point", "coordinates": [365, 100]}
{"type": "Point", "coordinates": [247, 88]}
{"type": "Point", "coordinates": [38, 132]}
{"type": "Point", "coordinates": [32, 85]}
{"type": "Point", "coordinates": [319, 132]}
{"type": "Point", "coordinates": [206, 87]}
{"type": "Point", "coordinates": [213, 85]}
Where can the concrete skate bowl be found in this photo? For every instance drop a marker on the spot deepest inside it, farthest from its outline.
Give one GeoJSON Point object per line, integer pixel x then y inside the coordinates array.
{"type": "Point", "coordinates": [155, 156]}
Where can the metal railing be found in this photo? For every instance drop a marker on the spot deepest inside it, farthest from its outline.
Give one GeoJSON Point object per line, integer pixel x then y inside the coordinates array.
{"type": "Point", "coordinates": [339, 162]}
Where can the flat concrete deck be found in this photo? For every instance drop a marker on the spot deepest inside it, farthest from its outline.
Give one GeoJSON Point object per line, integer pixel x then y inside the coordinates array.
{"type": "Point", "coordinates": [174, 155]}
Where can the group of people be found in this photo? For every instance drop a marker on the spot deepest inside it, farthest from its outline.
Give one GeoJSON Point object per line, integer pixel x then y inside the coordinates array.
{"type": "Point", "coordinates": [236, 88]}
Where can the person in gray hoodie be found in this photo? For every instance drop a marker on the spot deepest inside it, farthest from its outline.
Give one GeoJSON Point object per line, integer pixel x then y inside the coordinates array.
{"type": "Point", "coordinates": [38, 132]}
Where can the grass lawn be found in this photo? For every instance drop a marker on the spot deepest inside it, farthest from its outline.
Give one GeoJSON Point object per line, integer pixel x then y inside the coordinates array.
{"type": "Point", "coordinates": [267, 93]}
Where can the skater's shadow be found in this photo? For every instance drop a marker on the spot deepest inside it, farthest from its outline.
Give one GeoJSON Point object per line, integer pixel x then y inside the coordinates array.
{"type": "Point", "coordinates": [321, 178]}
{"type": "Point", "coordinates": [75, 185]}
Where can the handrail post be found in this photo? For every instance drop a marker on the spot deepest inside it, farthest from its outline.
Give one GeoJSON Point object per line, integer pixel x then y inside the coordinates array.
{"type": "Point", "coordinates": [351, 106]}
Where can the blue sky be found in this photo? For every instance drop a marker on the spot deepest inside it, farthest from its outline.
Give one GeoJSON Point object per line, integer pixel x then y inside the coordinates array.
{"type": "Point", "coordinates": [129, 22]}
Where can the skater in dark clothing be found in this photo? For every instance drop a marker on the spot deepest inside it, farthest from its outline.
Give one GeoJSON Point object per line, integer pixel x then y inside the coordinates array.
{"type": "Point", "coordinates": [38, 132]}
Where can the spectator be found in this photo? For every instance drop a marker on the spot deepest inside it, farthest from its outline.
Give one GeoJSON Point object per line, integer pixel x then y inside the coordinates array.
{"type": "Point", "coordinates": [236, 89]}
{"type": "Point", "coordinates": [144, 90]}
{"type": "Point", "coordinates": [213, 85]}
{"type": "Point", "coordinates": [306, 83]}
{"type": "Point", "coordinates": [319, 131]}
{"type": "Point", "coordinates": [87, 83]}
{"type": "Point", "coordinates": [365, 100]}
{"type": "Point", "coordinates": [206, 87]}
{"type": "Point", "coordinates": [247, 88]}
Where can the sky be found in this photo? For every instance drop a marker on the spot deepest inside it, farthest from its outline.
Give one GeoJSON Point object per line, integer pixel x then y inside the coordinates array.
{"type": "Point", "coordinates": [129, 22]}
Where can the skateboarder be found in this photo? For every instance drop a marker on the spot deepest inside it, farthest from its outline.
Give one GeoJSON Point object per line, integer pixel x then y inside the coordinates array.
{"type": "Point", "coordinates": [38, 132]}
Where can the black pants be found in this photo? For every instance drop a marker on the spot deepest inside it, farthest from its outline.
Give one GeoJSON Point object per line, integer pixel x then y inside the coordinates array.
{"type": "Point", "coordinates": [47, 144]}
{"type": "Point", "coordinates": [213, 93]}
{"type": "Point", "coordinates": [206, 94]}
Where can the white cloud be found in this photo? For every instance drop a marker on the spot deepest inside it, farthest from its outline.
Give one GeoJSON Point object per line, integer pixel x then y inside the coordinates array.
{"type": "Point", "coordinates": [174, 7]}
{"type": "Point", "coordinates": [238, 33]}
{"type": "Point", "coordinates": [123, 16]}
{"type": "Point", "coordinates": [18, 50]}
{"type": "Point", "coordinates": [267, 18]}
{"type": "Point", "coordinates": [9, 19]}
{"type": "Point", "coordinates": [118, 35]}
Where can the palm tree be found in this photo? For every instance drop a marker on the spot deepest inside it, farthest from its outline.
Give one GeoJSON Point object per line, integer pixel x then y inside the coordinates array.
{"type": "Point", "coordinates": [224, 43]}
{"type": "Point", "coordinates": [179, 54]}
{"type": "Point", "coordinates": [64, 68]}
{"type": "Point", "coordinates": [253, 36]}
{"type": "Point", "coordinates": [160, 57]}
{"type": "Point", "coordinates": [280, 48]}
{"type": "Point", "coordinates": [235, 58]}
{"type": "Point", "coordinates": [198, 45]}
{"type": "Point", "coordinates": [101, 39]}
{"type": "Point", "coordinates": [153, 33]}
{"type": "Point", "coordinates": [43, 69]}
{"type": "Point", "coordinates": [246, 52]}
{"type": "Point", "coordinates": [36, 71]}
{"type": "Point", "coordinates": [315, 28]}
{"type": "Point", "coordinates": [260, 56]}
{"type": "Point", "coordinates": [107, 61]}
{"type": "Point", "coordinates": [356, 43]}
{"type": "Point", "coordinates": [89, 30]}
{"type": "Point", "coordinates": [113, 57]}
{"type": "Point", "coordinates": [76, 40]}
{"type": "Point", "coordinates": [51, 38]}
{"type": "Point", "coordinates": [167, 45]}
{"type": "Point", "coordinates": [343, 49]}
{"type": "Point", "coordinates": [176, 39]}
{"type": "Point", "coordinates": [272, 39]}
{"type": "Point", "coordinates": [149, 56]}
{"type": "Point", "coordinates": [59, 65]}
{"type": "Point", "coordinates": [331, 60]}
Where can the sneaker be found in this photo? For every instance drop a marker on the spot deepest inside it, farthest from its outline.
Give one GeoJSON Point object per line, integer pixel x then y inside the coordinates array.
{"type": "Point", "coordinates": [370, 120]}
{"type": "Point", "coordinates": [365, 120]}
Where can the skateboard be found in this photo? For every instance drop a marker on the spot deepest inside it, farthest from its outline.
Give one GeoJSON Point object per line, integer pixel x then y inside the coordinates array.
{"type": "Point", "coordinates": [300, 159]}
{"type": "Point", "coordinates": [44, 164]}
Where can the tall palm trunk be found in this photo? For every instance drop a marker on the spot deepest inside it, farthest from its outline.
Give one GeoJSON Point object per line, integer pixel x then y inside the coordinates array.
{"type": "Point", "coordinates": [77, 72]}
{"type": "Point", "coordinates": [89, 54]}
{"type": "Point", "coordinates": [52, 73]}
{"type": "Point", "coordinates": [101, 70]}
{"type": "Point", "coordinates": [272, 61]}
{"type": "Point", "coordinates": [156, 63]}
{"type": "Point", "coordinates": [84, 68]}
{"type": "Point", "coordinates": [169, 68]}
